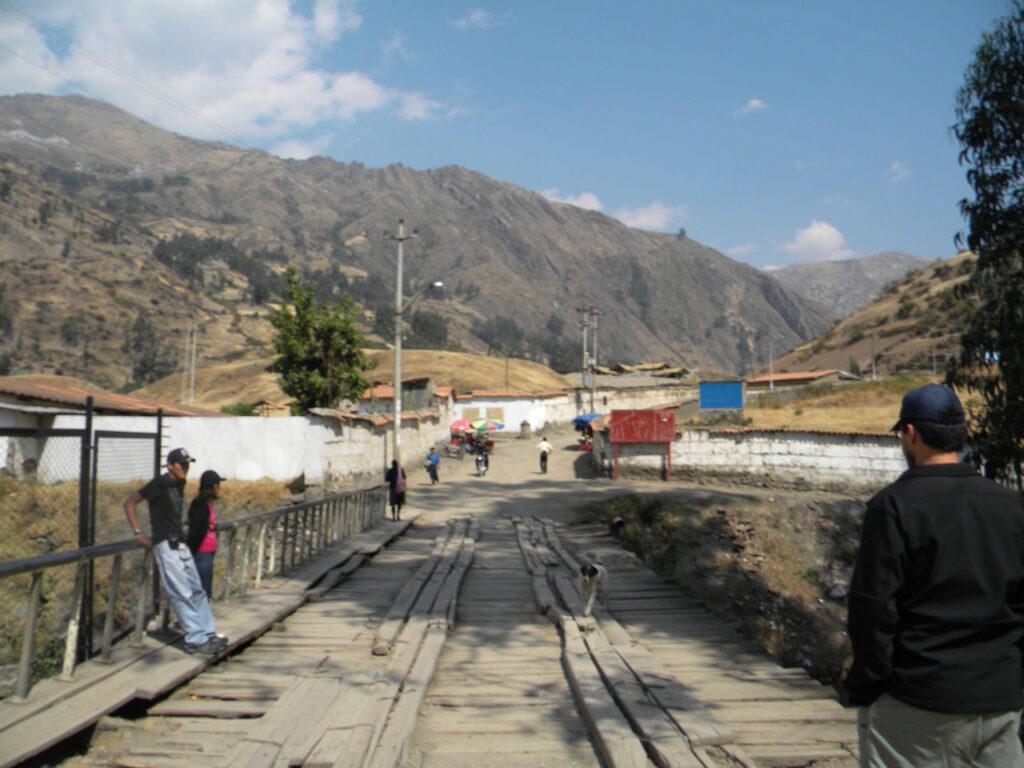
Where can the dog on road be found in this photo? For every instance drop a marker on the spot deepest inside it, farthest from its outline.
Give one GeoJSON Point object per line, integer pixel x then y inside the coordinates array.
{"type": "Point", "coordinates": [593, 577]}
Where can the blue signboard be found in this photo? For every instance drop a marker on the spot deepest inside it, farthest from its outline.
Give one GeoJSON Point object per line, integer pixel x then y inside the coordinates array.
{"type": "Point", "coordinates": [721, 395]}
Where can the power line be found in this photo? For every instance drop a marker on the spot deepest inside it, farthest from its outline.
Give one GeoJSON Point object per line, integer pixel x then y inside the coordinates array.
{"type": "Point", "coordinates": [99, 61]}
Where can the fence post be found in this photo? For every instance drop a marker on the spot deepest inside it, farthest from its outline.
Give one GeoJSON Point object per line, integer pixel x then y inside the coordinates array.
{"type": "Point", "coordinates": [28, 637]}
{"type": "Point", "coordinates": [86, 535]}
{"type": "Point", "coordinates": [108, 622]}
{"type": "Point", "coordinates": [67, 671]}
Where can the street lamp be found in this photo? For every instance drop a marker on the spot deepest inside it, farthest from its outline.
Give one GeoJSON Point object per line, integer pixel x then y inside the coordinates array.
{"type": "Point", "coordinates": [400, 307]}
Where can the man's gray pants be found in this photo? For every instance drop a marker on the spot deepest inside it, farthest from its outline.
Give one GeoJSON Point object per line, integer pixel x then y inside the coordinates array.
{"type": "Point", "coordinates": [896, 735]}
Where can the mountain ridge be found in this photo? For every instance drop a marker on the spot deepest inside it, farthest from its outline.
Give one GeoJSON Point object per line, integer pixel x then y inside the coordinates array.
{"type": "Point", "coordinates": [510, 255]}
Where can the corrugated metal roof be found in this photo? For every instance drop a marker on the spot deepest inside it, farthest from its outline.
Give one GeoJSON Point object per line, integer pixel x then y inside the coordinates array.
{"type": "Point", "coordinates": [27, 391]}
{"type": "Point", "coordinates": [796, 376]}
{"type": "Point", "coordinates": [509, 393]}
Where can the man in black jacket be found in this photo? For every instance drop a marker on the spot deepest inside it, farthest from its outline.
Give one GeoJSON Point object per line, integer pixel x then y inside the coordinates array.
{"type": "Point", "coordinates": [936, 607]}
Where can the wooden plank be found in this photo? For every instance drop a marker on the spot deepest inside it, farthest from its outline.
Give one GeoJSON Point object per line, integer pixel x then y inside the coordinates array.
{"type": "Point", "coordinates": [324, 743]}
{"type": "Point", "coordinates": [204, 707]}
{"type": "Point", "coordinates": [616, 741]}
{"type": "Point", "coordinates": [392, 747]}
{"type": "Point", "coordinates": [398, 614]}
{"type": "Point", "coordinates": [662, 736]}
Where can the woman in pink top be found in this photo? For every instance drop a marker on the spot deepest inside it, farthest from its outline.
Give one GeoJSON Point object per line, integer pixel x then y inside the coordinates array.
{"type": "Point", "coordinates": [202, 521]}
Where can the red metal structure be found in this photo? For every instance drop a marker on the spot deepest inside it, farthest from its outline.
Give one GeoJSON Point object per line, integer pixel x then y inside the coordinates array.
{"type": "Point", "coordinates": [636, 426]}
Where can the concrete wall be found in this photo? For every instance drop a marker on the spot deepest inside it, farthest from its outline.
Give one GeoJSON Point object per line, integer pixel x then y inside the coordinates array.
{"type": "Point", "coordinates": [325, 451]}
{"type": "Point", "coordinates": [794, 459]}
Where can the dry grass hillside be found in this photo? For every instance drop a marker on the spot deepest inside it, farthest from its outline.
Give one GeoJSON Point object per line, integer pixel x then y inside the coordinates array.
{"type": "Point", "coordinates": [868, 406]}
{"type": "Point", "coordinates": [250, 381]}
{"type": "Point", "coordinates": [913, 326]}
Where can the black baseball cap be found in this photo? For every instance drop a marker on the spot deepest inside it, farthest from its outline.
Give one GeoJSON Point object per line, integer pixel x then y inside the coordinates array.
{"type": "Point", "coordinates": [179, 456]}
{"type": "Point", "coordinates": [932, 402]}
{"type": "Point", "coordinates": [209, 478]}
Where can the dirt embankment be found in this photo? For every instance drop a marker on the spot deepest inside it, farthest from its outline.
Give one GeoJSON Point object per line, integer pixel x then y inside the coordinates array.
{"type": "Point", "coordinates": [777, 564]}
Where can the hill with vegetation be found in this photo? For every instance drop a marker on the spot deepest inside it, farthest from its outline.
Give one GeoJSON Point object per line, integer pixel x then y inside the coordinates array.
{"type": "Point", "coordinates": [848, 285]}
{"type": "Point", "coordinates": [913, 326]}
{"type": "Point", "coordinates": [116, 236]}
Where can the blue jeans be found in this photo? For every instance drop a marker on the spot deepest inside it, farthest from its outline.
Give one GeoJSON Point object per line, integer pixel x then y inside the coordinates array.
{"type": "Point", "coordinates": [184, 591]}
{"type": "Point", "coordinates": [204, 564]}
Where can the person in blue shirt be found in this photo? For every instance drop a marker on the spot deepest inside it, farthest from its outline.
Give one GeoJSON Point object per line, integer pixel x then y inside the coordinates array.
{"type": "Point", "coordinates": [433, 459]}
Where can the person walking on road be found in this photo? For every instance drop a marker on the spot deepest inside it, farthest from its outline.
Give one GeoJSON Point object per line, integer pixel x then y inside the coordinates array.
{"type": "Point", "coordinates": [433, 459]}
{"type": "Point", "coordinates": [185, 593]}
{"type": "Point", "coordinates": [544, 447]}
{"type": "Point", "coordinates": [395, 478]}
{"type": "Point", "coordinates": [936, 605]}
{"type": "Point", "coordinates": [202, 523]}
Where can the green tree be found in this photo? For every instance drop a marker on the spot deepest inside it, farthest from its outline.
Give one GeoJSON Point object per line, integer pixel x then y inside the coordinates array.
{"type": "Point", "coordinates": [320, 348]}
{"type": "Point", "coordinates": [151, 355]}
{"type": "Point", "coordinates": [990, 128]}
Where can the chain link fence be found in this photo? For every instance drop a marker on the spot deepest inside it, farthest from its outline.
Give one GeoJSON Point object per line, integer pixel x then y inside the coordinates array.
{"type": "Point", "coordinates": [54, 499]}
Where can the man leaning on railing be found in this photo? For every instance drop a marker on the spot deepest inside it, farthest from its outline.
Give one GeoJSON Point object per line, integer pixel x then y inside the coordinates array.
{"type": "Point", "coordinates": [165, 497]}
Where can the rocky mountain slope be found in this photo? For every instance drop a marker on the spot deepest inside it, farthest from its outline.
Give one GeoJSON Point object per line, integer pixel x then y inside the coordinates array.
{"type": "Point", "coordinates": [913, 326]}
{"type": "Point", "coordinates": [846, 286]}
{"type": "Point", "coordinates": [88, 191]}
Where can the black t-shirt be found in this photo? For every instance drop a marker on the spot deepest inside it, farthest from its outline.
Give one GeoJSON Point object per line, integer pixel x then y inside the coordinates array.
{"type": "Point", "coordinates": [166, 500]}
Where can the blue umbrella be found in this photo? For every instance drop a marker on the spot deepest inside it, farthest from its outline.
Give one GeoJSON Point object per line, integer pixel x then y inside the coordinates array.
{"type": "Point", "coordinates": [584, 419]}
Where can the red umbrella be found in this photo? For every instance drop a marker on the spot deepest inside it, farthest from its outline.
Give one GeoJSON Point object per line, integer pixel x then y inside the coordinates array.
{"type": "Point", "coordinates": [461, 425]}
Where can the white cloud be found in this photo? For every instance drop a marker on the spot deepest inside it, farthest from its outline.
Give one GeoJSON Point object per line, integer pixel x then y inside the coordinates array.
{"type": "Point", "coordinates": [237, 69]}
{"type": "Point", "coordinates": [741, 250]}
{"type": "Point", "coordinates": [586, 200]}
{"type": "Point", "coordinates": [477, 18]}
{"type": "Point", "coordinates": [898, 171]}
{"type": "Point", "coordinates": [753, 105]}
{"type": "Point", "coordinates": [818, 242]}
{"type": "Point", "coordinates": [656, 216]}
{"type": "Point", "coordinates": [395, 49]}
{"type": "Point", "coordinates": [295, 149]}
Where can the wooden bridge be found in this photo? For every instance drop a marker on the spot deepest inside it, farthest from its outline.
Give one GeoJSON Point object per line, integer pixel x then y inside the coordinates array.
{"type": "Point", "coordinates": [455, 639]}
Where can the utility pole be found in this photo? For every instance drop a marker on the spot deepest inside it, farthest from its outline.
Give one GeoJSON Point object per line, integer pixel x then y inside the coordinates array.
{"type": "Point", "coordinates": [400, 238]}
{"type": "Point", "coordinates": [771, 365]}
{"type": "Point", "coordinates": [195, 347]}
{"type": "Point", "coordinates": [589, 361]}
{"type": "Point", "coordinates": [594, 313]}
{"type": "Point", "coordinates": [184, 363]}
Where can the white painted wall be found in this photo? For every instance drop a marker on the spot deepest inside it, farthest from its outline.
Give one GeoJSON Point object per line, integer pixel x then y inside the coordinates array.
{"type": "Point", "coordinates": [820, 460]}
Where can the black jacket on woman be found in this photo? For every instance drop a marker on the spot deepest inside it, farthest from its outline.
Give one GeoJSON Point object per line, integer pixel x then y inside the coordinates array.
{"type": "Point", "coordinates": [198, 522]}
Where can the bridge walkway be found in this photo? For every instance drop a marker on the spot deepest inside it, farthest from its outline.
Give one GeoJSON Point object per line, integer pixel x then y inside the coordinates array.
{"type": "Point", "coordinates": [463, 643]}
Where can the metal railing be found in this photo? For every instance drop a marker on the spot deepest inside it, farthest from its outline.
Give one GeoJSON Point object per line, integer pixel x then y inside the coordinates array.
{"type": "Point", "coordinates": [284, 538]}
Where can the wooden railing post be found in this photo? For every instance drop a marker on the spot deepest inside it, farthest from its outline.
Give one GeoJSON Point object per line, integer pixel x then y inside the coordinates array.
{"type": "Point", "coordinates": [28, 639]}
{"type": "Point", "coordinates": [67, 671]}
{"type": "Point", "coordinates": [140, 599]}
{"type": "Point", "coordinates": [108, 622]}
{"type": "Point", "coordinates": [261, 553]}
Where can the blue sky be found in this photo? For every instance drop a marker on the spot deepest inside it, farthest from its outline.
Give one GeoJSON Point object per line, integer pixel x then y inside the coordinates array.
{"type": "Point", "coordinates": [776, 131]}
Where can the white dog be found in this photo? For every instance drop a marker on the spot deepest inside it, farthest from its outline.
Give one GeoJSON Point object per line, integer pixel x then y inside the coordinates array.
{"type": "Point", "coordinates": [593, 577]}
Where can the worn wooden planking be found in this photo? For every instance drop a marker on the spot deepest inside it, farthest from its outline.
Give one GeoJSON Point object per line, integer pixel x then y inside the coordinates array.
{"type": "Point", "coordinates": [392, 747]}
{"type": "Point", "coordinates": [661, 734]}
{"type": "Point", "coordinates": [204, 707]}
{"type": "Point", "coordinates": [820, 711]}
{"type": "Point", "coordinates": [616, 741]}
{"type": "Point", "coordinates": [62, 719]}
